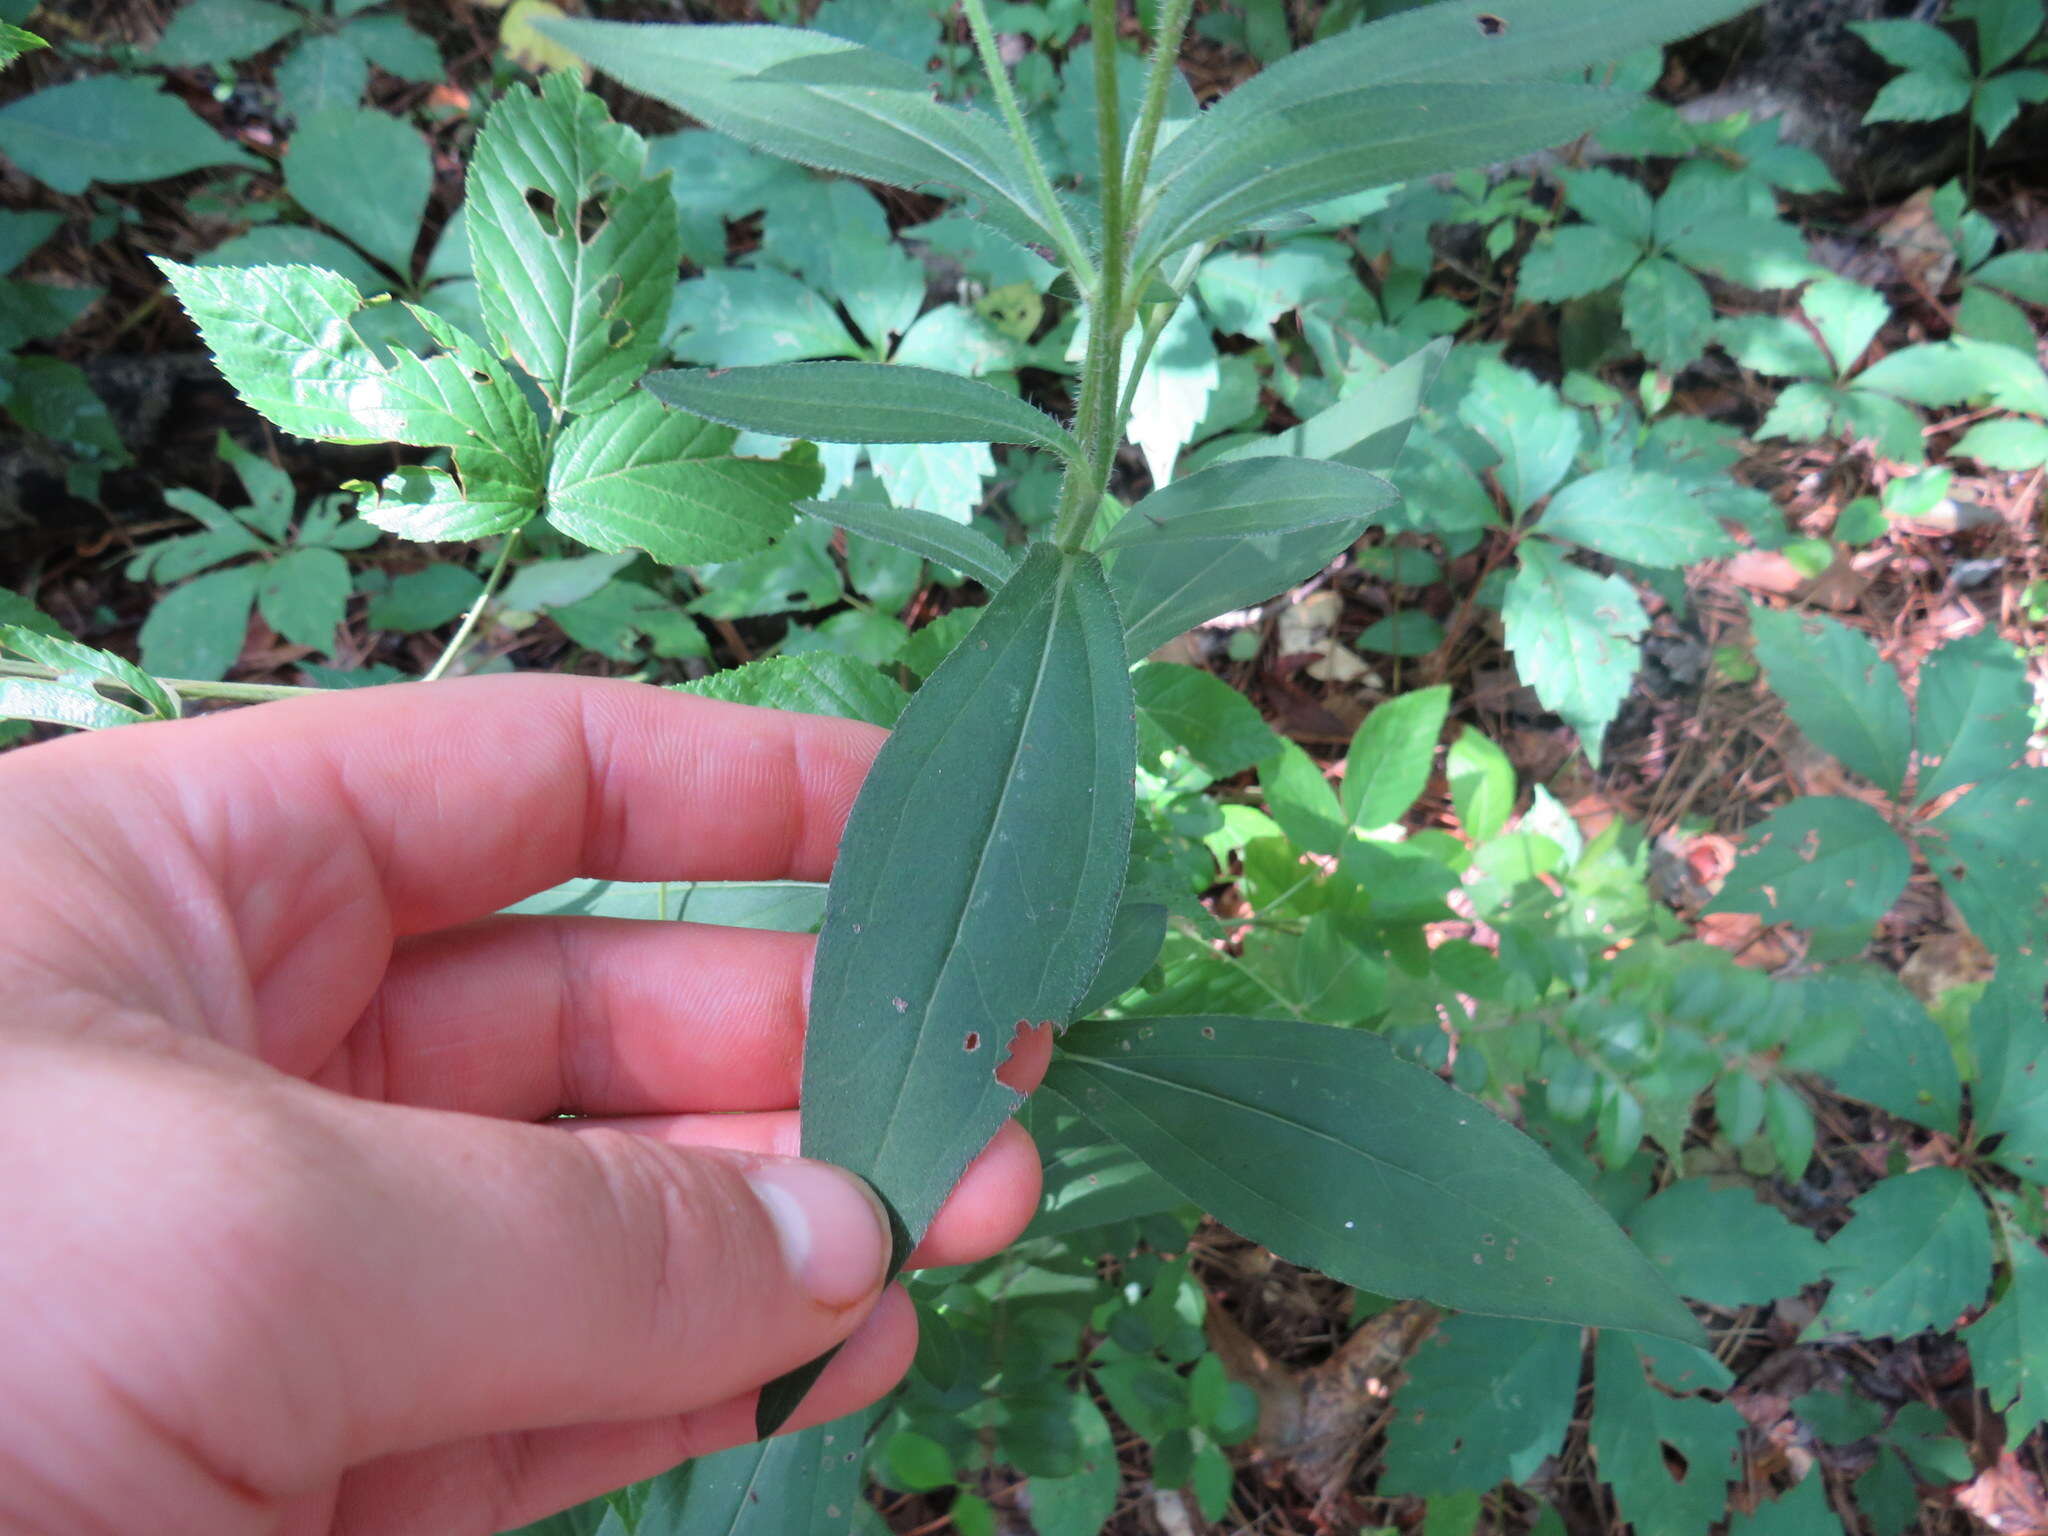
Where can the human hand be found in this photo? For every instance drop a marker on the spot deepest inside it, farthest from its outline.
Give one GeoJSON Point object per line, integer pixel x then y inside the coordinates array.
{"type": "Point", "coordinates": [285, 1248]}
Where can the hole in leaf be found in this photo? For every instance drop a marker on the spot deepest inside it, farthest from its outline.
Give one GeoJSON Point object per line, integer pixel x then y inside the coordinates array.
{"type": "Point", "coordinates": [1674, 1461]}
{"type": "Point", "coordinates": [611, 292]}
{"type": "Point", "coordinates": [1491, 25]}
{"type": "Point", "coordinates": [592, 214]}
{"type": "Point", "coordinates": [973, 1041]}
{"type": "Point", "coordinates": [543, 206]}
{"type": "Point", "coordinates": [1030, 1053]}
{"type": "Point", "coordinates": [619, 334]}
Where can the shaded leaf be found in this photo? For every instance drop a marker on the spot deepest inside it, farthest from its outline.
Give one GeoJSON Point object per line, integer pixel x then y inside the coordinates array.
{"type": "Point", "coordinates": [1535, 433]}
{"type": "Point", "coordinates": [1804, 1511]}
{"type": "Point", "coordinates": [1397, 1182]}
{"type": "Point", "coordinates": [1482, 784]}
{"type": "Point", "coordinates": [1723, 1246]}
{"type": "Point", "coordinates": [1486, 1401]}
{"type": "Point", "coordinates": [1915, 1255]}
{"type": "Point", "coordinates": [1838, 690]}
{"type": "Point", "coordinates": [1821, 861]}
{"type": "Point", "coordinates": [2010, 1094]}
{"type": "Point", "coordinates": [323, 171]}
{"type": "Point", "coordinates": [113, 128]}
{"type": "Point", "coordinates": [1388, 763]}
{"type": "Point", "coordinates": [814, 683]}
{"type": "Point", "coordinates": [1219, 727]}
{"type": "Point", "coordinates": [1576, 260]}
{"type": "Point", "coordinates": [197, 630]}
{"type": "Point", "coordinates": [1649, 519]}
{"type": "Point", "coordinates": [1667, 311]}
{"type": "Point", "coordinates": [221, 31]}
{"type": "Point", "coordinates": [303, 596]}
{"type": "Point", "coordinates": [937, 539]}
{"type": "Point", "coordinates": [784, 906]}
{"type": "Point", "coordinates": [1973, 714]}
{"type": "Point", "coordinates": [1899, 1059]}
{"type": "Point", "coordinates": [1668, 1459]}
{"type": "Point", "coordinates": [2009, 1343]}
{"type": "Point", "coordinates": [1994, 864]}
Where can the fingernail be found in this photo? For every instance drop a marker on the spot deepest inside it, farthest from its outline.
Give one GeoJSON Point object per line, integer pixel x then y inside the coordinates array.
{"type": "Point", "coordinates": [834, 1233]}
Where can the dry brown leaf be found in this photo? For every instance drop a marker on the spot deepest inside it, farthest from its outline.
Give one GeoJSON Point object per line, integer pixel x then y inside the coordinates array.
{"type": "Point", "coordinates": [2007, 1498]}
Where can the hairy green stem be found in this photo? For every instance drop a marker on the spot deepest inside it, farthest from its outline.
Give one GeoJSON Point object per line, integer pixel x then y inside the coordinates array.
{"type": "Point", "coordinates": [1057, 223]}
{"type": "Point", "coordinates": [476, 611]}
{"type": "Point", "coordinates": [1109, 295]}
{"type": "Point", "coordinates": [184, 687]}
{"type": "Point", "coordinates": [1173, 25]}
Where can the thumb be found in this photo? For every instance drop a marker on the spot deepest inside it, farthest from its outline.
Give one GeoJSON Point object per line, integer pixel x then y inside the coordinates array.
{"type": "Point", "coordinates": [493, 1276]}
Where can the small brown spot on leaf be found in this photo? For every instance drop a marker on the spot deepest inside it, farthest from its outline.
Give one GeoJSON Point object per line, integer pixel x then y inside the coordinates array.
{"type": "Point", "coordinates": [973, 1041]}
{"type": "Point", "coordinates": [1491, 25]}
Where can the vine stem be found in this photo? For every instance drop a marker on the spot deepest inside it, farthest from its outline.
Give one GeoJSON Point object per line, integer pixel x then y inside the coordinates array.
{"type": "Point", "coordinates": [1057, 223]}
{"type": "Point", "coordinates": [184, 687]}
{"type": "Point", "coordinates": [476, 611]}
{"type": "Point", "coordinates": [1173, 25]}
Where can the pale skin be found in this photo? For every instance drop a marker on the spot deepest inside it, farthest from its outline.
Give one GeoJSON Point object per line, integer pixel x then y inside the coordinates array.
{"type": "Point", "coordinates": [294, 1242]}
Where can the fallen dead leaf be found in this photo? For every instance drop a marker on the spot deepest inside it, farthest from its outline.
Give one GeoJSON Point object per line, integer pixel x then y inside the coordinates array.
{"type": "Point", "coordinates": [1943, 963]}
{"type": "Point", "coordinates": [1917, 242]}
{"type": "Point", "coordinates": [2007, 1498]}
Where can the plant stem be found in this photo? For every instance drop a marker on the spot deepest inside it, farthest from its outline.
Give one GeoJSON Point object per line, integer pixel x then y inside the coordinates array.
{"type": "Point", "coordinates": [1109, 295]}
{"type": "Point", "coordinates": [476, 611]}
{"type": "Point", "coordinates": [1156, 321]}
{"type": "Point", "coordinates": [184, 687]}
{"type": "Point", "coordinates": [1173, 25]}
{"type": "Point", "coordinates": [1056, 221]}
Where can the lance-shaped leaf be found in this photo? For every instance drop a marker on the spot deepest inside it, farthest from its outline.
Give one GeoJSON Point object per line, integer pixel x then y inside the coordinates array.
{"type": "Point", "coordinates": [975, 888]}
{"type": "Point", "coordinates": [1231, 535]}
{"type": "Point", "coordinates": [1324, 1146]}
{"type": "Point", "coordinates": [782, 906]}
{"type": "Point", "coordinates": [1292, 126]}
{"type": "Point", "coordinates": [818, 100]}
{"type": "Point", "coordinates": [808, 1481]}
{"type": "Point", "coordinates": [925, 534]}
{"type": "Point", "coordinates": [862, 403]}
{"type": "Point", "coordinates": [284, 337]}
{"type": "Point", "coordinates": [575, 246]}
{"type": "Point", "coordinates": [1320, 144]}
{"type": "Point", "coordinates": [813, 683]}
{"type": "Point", "coordinates": [637, 476]}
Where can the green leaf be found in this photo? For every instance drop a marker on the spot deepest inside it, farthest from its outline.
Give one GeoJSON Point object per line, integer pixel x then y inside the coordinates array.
{"type": "Point", "coordinates": [1995, 864]}
{"type": "Point", "coordinates": [21, 234]}
{"type": "Point", "coordinates": [1668, 1459]}
{"type": "Point", "coordinates": [1535, 433]}
{"type": "Point", "coordinates": [975, 887]}
{"type": "Point", "coordinates": [2023, 274]}
{"type": "Point", "coordinates": [1667, 311]}
{"type": "Point", "coordinates": [1368, 427]}
{"type": "Point", "coordinates": [283, 337]}
{"type": "Point", "coordinates": [940, 478]}
{"type": "Point", "coordinates": [196, 631]}
{"type": "Point", "coordinates": [1961, 371]}
{"type": "Point", "coordinates": [1973, 714]}
{"type": "Point", "coordinates": [862, 403]}
{"type": "Point", "coordinates": [1848, 317]}
{"type": "Point", "coordinates": [1919, 98]}
{"type": "Point", "coordinates": [2009, 1098]}
{"type": "Point", "coordinates": [783, 906]}
{"type": "Point", "coordinates": [1609, 198]}
{"type": "Point", "coordinates": [1388, 764]}
{"type": "Point", "coordinates": [1134, 944]}
{"type": "Point", "coordinates": [2009, 444]}
{"type": "Point", "coordinates": [295, 245]}
{"type": "Point", "coordinates": [54, 399]}
{"type": "Point", "coordinates": [304, 595]}
{"type": "Point", "coordinates": [639, 476]}
{"type": "Point", "coordinates": [815, 99]}
{"type": "Point", "coordinates": [1300, 799]}
{"type": "Point", "coordinates": [753, 315]}
{"type": "Point", "coordinates": [1081, 1503]}
{"type": "Point", "coordinates": [1482, 784]}
{"type": "Point", "coordinates": [575, 246]}
{"type": "Point", "coordinates": [2009, 1343]}
{"type": "Point", "coordinates": [1219, 727]}
{"type": "Point", "coordinates": [1721, 1245]}
{"type": "Point", "coordinates": [1820, 862]}
{"type": "Point", "coordinates": [814, 683]}
{"type": "Point", "coordinates": [1231, 535]}
{"type": "Point", "coordinates": [1915, 1255]}
{"type": "Point", "coordinates": [1916, 45]}
{"type": "Point", "coordinates": [1789, 1127]}
{"type": "Point", "coordinates": [1899, 1058]}
{"type": "Point", "coordinates": [935, 538]}
{"type": "Point", "coordinates": [1646, 518]}
{"type": "Point", "coordinates": [1396, 1182]}
{"type": "Point", "coordinates": [112, 128]}
{"type": "Point", "coordinates": [426, 504]}
{"type": "Point", "coordinates": [1259, 153]}
{"type": "Point", "coordinates": [322, 74]}
{"type": "Point", "coordinates": [73, 697]}
{"type": "Point", "coordinates": [1804, 1511]}
{"type": "Point", "coordinates": [1409, 632]}
{"type": "Point", "coordinates": [1172, 396]}
{"type": "Point", "coordinates": [323, 171]}
{"type": "Point", "coordinates": [1574, 636]}
{"type": "Point", "coordinates": [396, 48]}
{"type": "Point", "coordinates": [1838, 690]}
{"type": "Point", "coordinates": [423, 600]}
{"type": "Point", "coordinates": [1487, 1401]}
{"type": "Point", "coordinates": [221, 31]}
{"type": "Point", "coordinates": [806, 1481]}
{"type": "Point", "coordinates": [14, 42]}
{"type": "Point", "coordinates": [1776, 345]}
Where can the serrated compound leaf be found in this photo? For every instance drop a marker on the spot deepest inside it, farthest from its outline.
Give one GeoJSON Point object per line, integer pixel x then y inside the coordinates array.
{"type": "Point", "coordinates": [221, 31]}
{"type": "Point", "coordinates": [1487, 1401]}
{"type": "Point", "coordinates": [303, 596]}
{"type": "Point", "coordinates": [1721, 1245]}
{"type": "Point", "coordinates": [112, 128]}
{"type": "Point", "coordinates": [926, 534]}
{"type": "Point", "coordinates": [1803, 1511]}
{"type": "Point", "coordinates": [1535, 433]}
{"type": "Point", "coordinates": [1848, 317]}
{"type": "Point", "coordinates": [54, 703]}
{"type": "Point", "coordinates": [1232, 535]}
{"type": "Point", "coordinates": [196, 630]}
{"type": "Point", "coordinates": [1821, 861]}
{"type": "Point", "coordinates": [1396, 1182]}
{"type": "Point", "coordinates": [1993, 861]}
{"type": "Point", "coordinates": [940, 478]}
{"type": "Point", "coordinates": [1972, 715]}
{"type": "Point", "coordinates": [1239, 163]}
{"type": "Point", "coordinates": [1915, 1255]}
{"type": "Point", "coordinates": [1838, 690]}
{"type": "Point", "coordinates": [1898, 1057]}
{"type": "Point", "coordinates": [2010, 1094]}
{"type": "Point", "coordinates": [2007, 444]}
{"type": "Point", "coordinates": [1667, 311]}
{"type": "Point", "coordinates": [284, 338]}
{"type": "Point", "coordinates": [81, 669]}
{"type": "Point", "coordinates": [1609, 198]}
{"type": "Point", "coordinates": [1959, 371]}
{"type": "Point", "coordinates": [820, 101]}
{"type": "Point", "coordinates": [639, 476]}
{"type": "Point", "coordinates": [752, 316]}
{"type": "Point", "coordinates": [975, 888]}
{"type": "Point", "coordinates": [426, 504]}
{"type": "Point", "coordinates": [813, 683]}
{"type": "Point", "coordinates": [575, 245]}
{"type": "Point", "coordinates": [395, 47]}
{"type": "Point", "coordinates": [14, 42]}
{"type": "Point", "coordinates": [1635, 515]}
{"type": "Point", "coordinates": [861, 403]}
{"type": "Point", "coordinates": [323, 171]}
{"type": "Point", "coordinates": [1575, 637]}
{"type": "Point", "coordinates": [321, 74]}
{"type": "Point", "coordinates": [2009, 1343]}
{"type": "Point", "coordinates": [1668, 1459]}
{"type": "Point", "coordinates": [1578, 260]}
{"type": "Point", "coordinates": [1389, 761]}
{"type": "Point", "coordinates": [1195, 709]}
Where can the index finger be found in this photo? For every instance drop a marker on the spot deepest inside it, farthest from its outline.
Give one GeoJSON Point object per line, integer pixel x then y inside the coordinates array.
{"type": "Point", "coordinates": [467, 795]}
